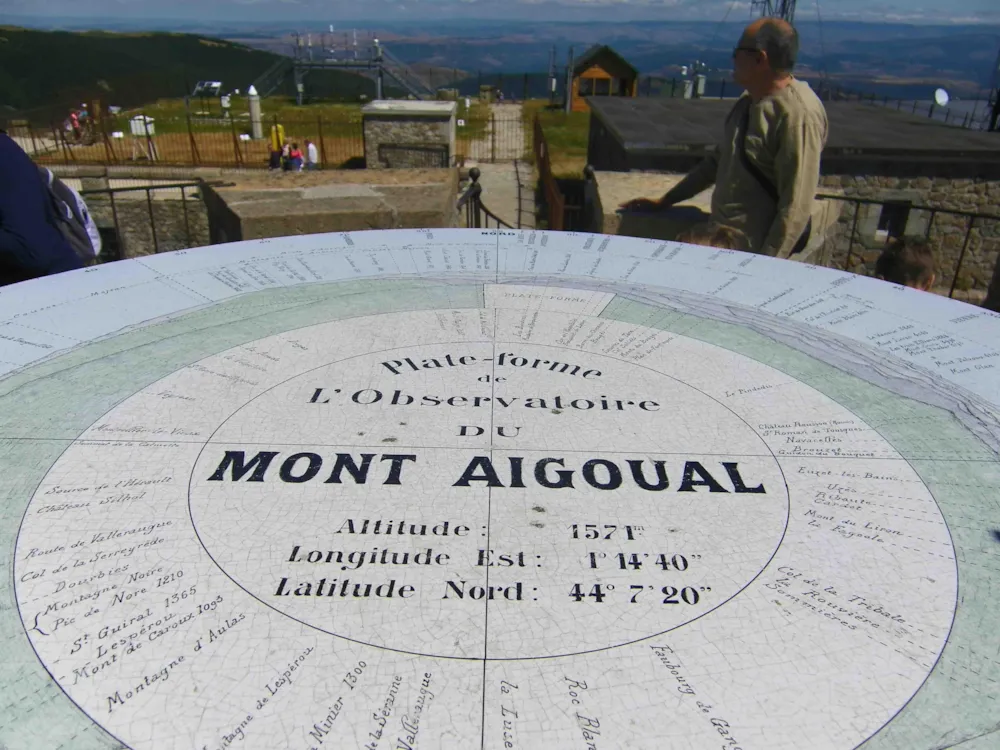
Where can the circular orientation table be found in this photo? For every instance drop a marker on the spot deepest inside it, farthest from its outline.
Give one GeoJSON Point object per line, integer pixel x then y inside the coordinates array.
{"type": "Point", "coordinates": [480, 489]}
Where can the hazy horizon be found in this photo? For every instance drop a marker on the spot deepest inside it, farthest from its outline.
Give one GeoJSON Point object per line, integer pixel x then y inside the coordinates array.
{"type": "Point", "coordinates": [417, 13]}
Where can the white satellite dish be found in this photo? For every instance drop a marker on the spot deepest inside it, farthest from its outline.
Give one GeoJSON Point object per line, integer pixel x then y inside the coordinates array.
{"type": "Point", "coordinates": [941, 98]}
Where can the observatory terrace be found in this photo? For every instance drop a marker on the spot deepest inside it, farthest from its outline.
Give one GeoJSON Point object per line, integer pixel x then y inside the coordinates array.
{"type": "Point", "coordinates": [673, 135]}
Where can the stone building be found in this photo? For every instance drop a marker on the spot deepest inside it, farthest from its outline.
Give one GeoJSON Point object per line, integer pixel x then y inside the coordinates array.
{"type": "Point", "coordinates": [908, 173]}
{"type": "Point", "coordinates": [409, 135]}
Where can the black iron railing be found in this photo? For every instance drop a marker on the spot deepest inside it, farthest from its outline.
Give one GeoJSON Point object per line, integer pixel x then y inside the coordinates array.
{"type": "Point", "coordinates": [976, 117]}
{"type": "Point", "coordinates": [106, 207]}
{"type": "Point", "coordinates": [969, 221]}
{"type": "Point", "coordinates": [477, 216]}
{"type": "Point", "coordinates": [520, 203]}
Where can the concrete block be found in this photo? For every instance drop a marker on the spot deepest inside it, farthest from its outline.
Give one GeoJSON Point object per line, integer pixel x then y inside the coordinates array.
{"type": "Point", "coordinates": [282, 205]}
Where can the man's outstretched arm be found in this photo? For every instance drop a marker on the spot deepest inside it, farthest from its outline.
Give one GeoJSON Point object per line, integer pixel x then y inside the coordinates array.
{"type": "Point", "coordinates": [698, 179]}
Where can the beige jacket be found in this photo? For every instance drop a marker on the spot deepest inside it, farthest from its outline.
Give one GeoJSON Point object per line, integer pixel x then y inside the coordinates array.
{"type": "Point", "coordinates": [785, 138]}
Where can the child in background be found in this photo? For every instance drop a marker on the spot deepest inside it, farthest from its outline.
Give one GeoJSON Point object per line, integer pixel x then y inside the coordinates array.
{"type": "Point", "coordinates": [714, 235]}
{"type": "Point", "coordinates": [295, 158]}
{"type": "Point", "coordinates": [907, 261]}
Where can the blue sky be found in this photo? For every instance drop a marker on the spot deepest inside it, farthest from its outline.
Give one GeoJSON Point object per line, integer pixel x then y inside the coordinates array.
{"type": "Point", "coordinates": [914, 11]}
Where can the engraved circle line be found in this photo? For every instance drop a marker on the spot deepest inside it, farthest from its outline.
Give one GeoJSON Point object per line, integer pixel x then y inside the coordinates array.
{"type": "Point", "coordinates": [496, 659]}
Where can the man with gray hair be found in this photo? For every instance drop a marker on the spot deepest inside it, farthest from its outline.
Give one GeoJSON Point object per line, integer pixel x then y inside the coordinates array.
{"type": "Point", "coordinates": [766, 169]}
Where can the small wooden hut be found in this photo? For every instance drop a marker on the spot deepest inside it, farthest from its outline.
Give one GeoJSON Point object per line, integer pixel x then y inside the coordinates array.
{"type": "Point", "coordinates": [602, 72]}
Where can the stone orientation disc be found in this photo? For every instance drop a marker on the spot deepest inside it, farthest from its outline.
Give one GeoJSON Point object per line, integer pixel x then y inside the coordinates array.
{"type": "Point", "coordinates": [469, 489]}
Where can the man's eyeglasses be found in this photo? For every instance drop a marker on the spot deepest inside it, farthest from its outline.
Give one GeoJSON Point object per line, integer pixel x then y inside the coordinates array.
{"type": "Point", "coordinates": [752, 50]}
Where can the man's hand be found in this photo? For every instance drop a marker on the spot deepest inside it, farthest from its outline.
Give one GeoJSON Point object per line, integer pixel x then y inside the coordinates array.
{"type": "Point", "coordinates": [642, 206]}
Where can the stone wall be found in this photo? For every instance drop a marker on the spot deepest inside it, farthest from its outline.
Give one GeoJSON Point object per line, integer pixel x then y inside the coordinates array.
{"type": "Point", "coordinates": [173, 231]}
{"type": "Point", "coordinates": [402, 142]}
{"type": "Point", "coordinates": [947, 232]}
{"type": "Point", "coordinates": [167, 222]}
{"type": "Point", "coordinates": [180, 217]}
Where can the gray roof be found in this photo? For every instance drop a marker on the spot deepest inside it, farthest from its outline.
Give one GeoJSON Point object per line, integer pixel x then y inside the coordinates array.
{"type": "Point", "coordinates": [686, 124]}
{"type": "Point", "coordinates": [589, 57]}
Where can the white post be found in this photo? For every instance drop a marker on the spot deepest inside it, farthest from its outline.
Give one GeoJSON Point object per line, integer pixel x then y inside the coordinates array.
{"type": "Point", "coordinates": [256, 124]}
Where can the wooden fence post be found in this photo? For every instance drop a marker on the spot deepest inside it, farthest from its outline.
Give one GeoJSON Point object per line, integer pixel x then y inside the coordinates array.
{"type": "Point", "coordinates": [34, 145]}
{"type": "Point", "coordinates": [60, 137]}
{"type": "Point", "coordinates": [108, 143]}
{"type": "Point", "coordinates": [108, 153]}
{"type": "Point", "coordinates": [150, 146]}
{"type": "Point", "coordinates": [195, 158]}
{"type": "Point", "coordinates": [322, 143]}
{"type": "Point", "coordinates": [236, 144]}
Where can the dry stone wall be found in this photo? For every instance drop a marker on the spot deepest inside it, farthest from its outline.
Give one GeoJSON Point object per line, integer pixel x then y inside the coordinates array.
{"type": "Point", "coordinates": [947, 232]}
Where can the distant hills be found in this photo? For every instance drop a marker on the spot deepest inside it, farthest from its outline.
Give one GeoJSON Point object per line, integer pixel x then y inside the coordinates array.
{"type": "Point", "coordinates": [46, 72]}
{"type": "Point", "coordinates": [961, 57]}
{"type": "Point", "coordinates": [43, 73]}
{"type": "Point", "coordinates": [893, 59]}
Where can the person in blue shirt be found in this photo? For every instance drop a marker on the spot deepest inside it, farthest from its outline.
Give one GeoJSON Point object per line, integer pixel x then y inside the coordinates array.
{"type": "Point", "coordinates": [31, 244]}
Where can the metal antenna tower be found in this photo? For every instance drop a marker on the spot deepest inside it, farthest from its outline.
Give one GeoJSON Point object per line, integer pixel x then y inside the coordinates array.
{"type": "Point", "coordinates": [993, 121]}
{"type": "Point", "coordinates": [774, 8]}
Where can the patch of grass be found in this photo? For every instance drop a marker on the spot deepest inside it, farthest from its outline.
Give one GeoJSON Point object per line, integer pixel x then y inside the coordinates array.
{"type": "Point", "coordinates": [335, 120]}
{"type": "Point", "coordinates": [476, 119]}
{"type": "Point", "coordinates": [209, 149]}
{"type": "Point", "coordinates": [336, 129]}
{"type": "Point", "coordinates": [566, 135]}
{"type": "Point", "coordinates": [170, 116]}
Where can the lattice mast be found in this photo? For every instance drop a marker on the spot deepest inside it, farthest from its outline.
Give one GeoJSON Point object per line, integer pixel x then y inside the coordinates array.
{"type": "Point", "coordinates": [774, 8]}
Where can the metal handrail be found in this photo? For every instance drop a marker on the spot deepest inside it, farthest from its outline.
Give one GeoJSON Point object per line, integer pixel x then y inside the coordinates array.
{"type": "Point", "coordinates": [148, 189]}
{"type": "Point", "coordinates": [405, 75]}
{"type": "Point", "coordinates": [520, 204]}
{"type": "Point", "coordinates": [136, 188]}
{"type": "Point", "coordinates": [977, 119]}
{"type": "Point", "coordinates": [912, 206]}
{"type": "Point", "coordinates": [477, 215]}
{"type": "Point", "coordinates": [268, 81]}
{"type": "Point", "coordinates": [970, 216]}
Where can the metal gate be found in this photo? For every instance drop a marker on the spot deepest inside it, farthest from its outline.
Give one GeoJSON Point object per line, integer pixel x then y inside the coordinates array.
{"type": "Point", "coordinates": [503, 140]}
